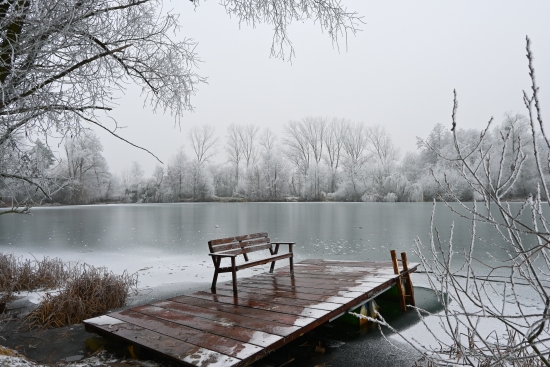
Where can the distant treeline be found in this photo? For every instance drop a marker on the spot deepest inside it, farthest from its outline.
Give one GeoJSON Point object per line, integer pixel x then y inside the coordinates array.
{"type": "Point", "coordinates": [315, 159]}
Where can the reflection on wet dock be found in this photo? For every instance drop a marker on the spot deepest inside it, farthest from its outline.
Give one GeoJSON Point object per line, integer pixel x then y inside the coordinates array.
{"type": "Point", "coordinates": [269, 311]}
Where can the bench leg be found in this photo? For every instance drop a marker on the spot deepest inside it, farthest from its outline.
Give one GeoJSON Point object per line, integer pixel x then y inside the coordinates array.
{"type": "Point", "coordinates": [234, 274]}
{"type": "Point", "coordinates": [216, 261]}
{"type": "Point", "coordinates": [273, 253]}
{"type": "Point", "coordinates": [291, 260]}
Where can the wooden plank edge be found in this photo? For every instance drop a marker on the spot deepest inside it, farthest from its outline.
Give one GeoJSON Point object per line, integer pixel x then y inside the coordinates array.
{"type": "Point", "coordinates": [198, 358]}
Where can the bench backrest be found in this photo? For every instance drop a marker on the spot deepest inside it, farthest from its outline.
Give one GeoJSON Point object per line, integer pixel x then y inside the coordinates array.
{"type": "Point", "coordinates": [241, 244]}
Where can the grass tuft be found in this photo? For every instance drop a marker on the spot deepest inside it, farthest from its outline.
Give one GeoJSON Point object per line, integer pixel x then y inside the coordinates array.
{"type": "Point", "coordinates": [18, 274]}
{"type": "Point", "coordinates": [85, 291]}
{"type": "Point", "coordinates": [88, 293]}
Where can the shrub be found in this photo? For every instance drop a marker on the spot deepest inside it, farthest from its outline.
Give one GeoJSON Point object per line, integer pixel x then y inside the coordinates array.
{"type": "Point", "coordinates": [18, 274]}
{"type": "Point", "coordinates": [88, 293]}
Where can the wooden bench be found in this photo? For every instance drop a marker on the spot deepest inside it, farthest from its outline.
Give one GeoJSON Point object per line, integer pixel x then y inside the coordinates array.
{"type": "Point", "coordinates": [242, 245]}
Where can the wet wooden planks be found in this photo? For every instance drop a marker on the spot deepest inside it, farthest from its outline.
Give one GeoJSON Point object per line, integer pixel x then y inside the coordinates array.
{"type": "Point", "coordinates": [270, 310]}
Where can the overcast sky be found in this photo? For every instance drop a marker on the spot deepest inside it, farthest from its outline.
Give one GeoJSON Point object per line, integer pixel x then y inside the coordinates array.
{"type": "Point", "coordinates": [399, 71]}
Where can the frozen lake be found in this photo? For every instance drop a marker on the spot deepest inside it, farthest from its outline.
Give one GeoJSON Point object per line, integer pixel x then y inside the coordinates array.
{"type": "Point", "coordinates": [167, 244]}
{"type": "Point", "coordinates": [170, 240]}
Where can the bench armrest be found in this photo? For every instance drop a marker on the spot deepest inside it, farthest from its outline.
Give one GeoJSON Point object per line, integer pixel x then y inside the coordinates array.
{"type": "Point", "coordinates": [290, 244]}
{"type": "Point", "coordinates": [224, 255]}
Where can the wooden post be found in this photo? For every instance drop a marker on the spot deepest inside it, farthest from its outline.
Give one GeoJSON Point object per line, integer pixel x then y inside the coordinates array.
{"type": "Point", "coordinates": [399, 284]}
{"type": "Point", "coordinates": [394, 261]}
{"type": "Point", "coordinates": [408, 282]}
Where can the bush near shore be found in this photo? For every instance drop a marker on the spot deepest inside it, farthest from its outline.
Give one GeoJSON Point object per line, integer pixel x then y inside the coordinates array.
{"type": "Point", "coordinates": [84, 291]}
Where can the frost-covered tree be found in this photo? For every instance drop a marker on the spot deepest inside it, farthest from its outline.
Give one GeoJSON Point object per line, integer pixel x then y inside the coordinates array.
{"type": "Point", "coordinates": [84, 168]}
{"type": "Point", "coordinates": [304, 141]}
{"type": "Point", "coordinates": [355, 145]}
{"type": "Point", "coordinates": [203, 141]}
{"type": "Point", "coordinates": [41, 158]}
{"type": "Point", "coordinates": [241, 145]}
{"type": "Point", "coordinates": [223, 177]}
{"type": "Point", "coordinates": [133, 182]}
{"type": "Point", "coordinates": [248, 136]}
{"type": "Point", "coordinates": [152, 191]}
{"type": "Point", "coordinates": [384, 154]}
{"type": "Point", "coordinates": [333, 139]}
{"type": "Point", "coordinates": [494, 290]}
{"type": "Point", "coordinates": [24, 182]}
{"type": "Point", "coordinates": [515, 131]}
{"type": "Point", "coordinates": [63, 61]}
{"type": "Point", "coordinates": [178, 175]}
{"type": "Point", "coordinates": [274, 170]}
{"type": "Point", "coordinates": [202, 183]}
{"type": "Point", "coordinates": [234, 150]}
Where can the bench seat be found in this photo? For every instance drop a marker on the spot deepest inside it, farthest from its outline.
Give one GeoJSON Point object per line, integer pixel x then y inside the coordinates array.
{"type": "Point", "coordinates": [253, 263]}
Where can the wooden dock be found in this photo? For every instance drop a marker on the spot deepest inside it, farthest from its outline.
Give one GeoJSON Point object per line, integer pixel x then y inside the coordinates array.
{"type": "Point", "coordinates": [270, 310]}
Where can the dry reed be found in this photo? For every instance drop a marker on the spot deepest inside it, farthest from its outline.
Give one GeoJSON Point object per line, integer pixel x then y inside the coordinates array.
{"type": "Point", "coordinates": [18, 274]}
{"type": "Point", "coordinates": [88, 293]}
{"type": "Point", "coordinates": [8, 352]}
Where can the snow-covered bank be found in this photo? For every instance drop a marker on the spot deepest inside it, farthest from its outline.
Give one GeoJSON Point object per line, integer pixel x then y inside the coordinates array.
{"type": "Point", "coordinates": [99, 360]}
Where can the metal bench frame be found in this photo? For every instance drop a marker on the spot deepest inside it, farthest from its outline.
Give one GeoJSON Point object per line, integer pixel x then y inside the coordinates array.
{"type": "Point", "coordinates": [242, 245]}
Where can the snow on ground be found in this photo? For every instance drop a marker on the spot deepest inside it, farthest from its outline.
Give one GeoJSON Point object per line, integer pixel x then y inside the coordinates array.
{"type": "Point", "coordinates": [154, 268]}
{"type": "Point", "coordinates": [101, 359]}
{"type": "Point", "coordinates": [15, 362]}
{"type": "Point", "coordinates": [430, 334]}
{"type": "Point", "coordinates": [35, 297]}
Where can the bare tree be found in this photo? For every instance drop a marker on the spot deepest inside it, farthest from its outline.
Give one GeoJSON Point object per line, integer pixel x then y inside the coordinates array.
{"type": "Point", "coordinates": [355, 144]}
{"type": "Point", "coordinates": [518, 126]}
{"type": "Point", "coordinates": [62, 62]}
{"type": "Point", "coordinates": [24, 175]}
{"type": "Point", "coordinates": [268, 141]}
{"type": "Point", "coordinates": [241, 145]}
{"type": "Point", "coordinates": [497, 308]}
{"type": "Point", "coordinates": [132, 180]}
{"type": "Point", "coordinates": [333, 18]}
{"type": "Point", "coordinates": [85, 168]}
{"type": "Point", "coordinates": [247, 137]}
{"type": "Point", "coordinates": [203, 142]}
{"type": "Point", "coordinates": [333, 139]}
{"type": "Point", "coordinates": [303, 142]}
{"type": "Point", "coordinates": [297, 148]}
{"type": "Point", "coordinates": [177, 174]}
{"type": "Point", "coordinates": [314, 129]}
{"type": "Point", "coordinates": [153, 186]}
{"type": "Point", "coordinates": [273, 170]}
{"type": "Point", "coordinates": [381, 145]}
{"type": "Point", "coordinates": [382, 149]}
{"type": "Point", "coordinates": [233, 148]}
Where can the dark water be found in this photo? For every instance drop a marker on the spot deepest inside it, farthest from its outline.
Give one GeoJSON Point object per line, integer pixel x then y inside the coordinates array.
{"type": "Point", "coordinates": [167, 245]}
